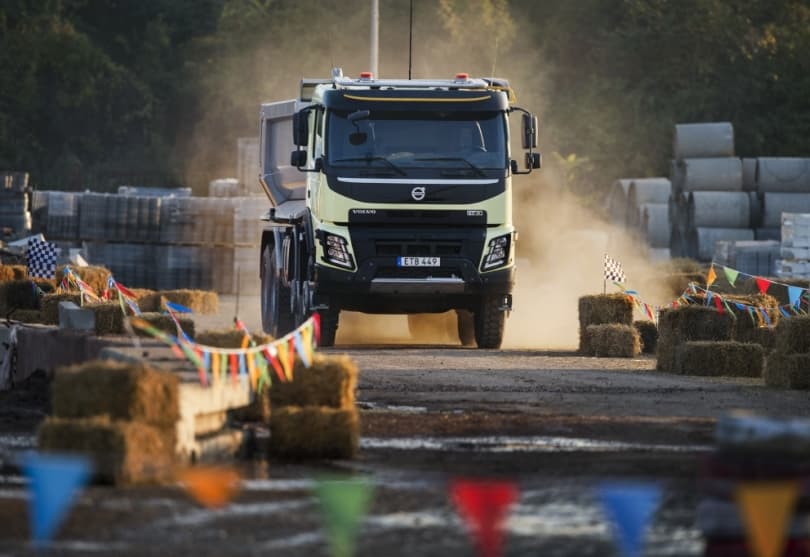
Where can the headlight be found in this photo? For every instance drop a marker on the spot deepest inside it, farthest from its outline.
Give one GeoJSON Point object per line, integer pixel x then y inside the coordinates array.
{"type": "Point", "coordinates": [336, 251]}
{"type": "Point", "coordinates": [497, 253]}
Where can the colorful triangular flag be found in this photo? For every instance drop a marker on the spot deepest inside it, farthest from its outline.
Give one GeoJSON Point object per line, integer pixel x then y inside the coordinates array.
{"type": "Point", "coordinates": [344, 504]}
{"type": "Point", "coordinates": [630, 508]}
{"type": "Point", "coordinates": [731, 275]}
{"type": "Point", "coordinates": [484, 505]}
{"type": "Point", "coordinates": [710, 277]}
{"type": "Point", "coordinates": [211, 487]}
{"type": "Point", "coordinates": [794, 295]}
{"type": "Point", "coordinates": [54, 482]}
{"type": "Point", "coordinates": [763, 284]}
{"type": "Point", "coordinates": [766, 509]}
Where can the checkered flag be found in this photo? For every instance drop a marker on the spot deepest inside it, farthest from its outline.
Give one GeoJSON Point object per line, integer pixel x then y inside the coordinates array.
{"type": "Point", "coordinates": [41, 258]}
{"type": "Point", "coordinates": [614, 271]}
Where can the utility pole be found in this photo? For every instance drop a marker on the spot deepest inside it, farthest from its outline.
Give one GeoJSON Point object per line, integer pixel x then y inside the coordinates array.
{"type": "Point", "coordinates": [375, 37]}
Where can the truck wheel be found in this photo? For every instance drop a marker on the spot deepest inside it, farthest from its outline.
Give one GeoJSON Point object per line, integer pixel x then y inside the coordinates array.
{"type": "Point", "coordinates": [466, 327]}
{"type": "Point", "coordinates": [489, 323]}
{"type": "Point", "coordinates": [329, 326]}
{"type": "Point", "coordinates": [277, 320]}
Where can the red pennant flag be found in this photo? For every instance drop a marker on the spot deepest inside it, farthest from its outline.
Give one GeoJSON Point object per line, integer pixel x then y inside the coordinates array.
{"type": "Point", "coordinates": [763, 284]}
{"type": "Point", "coordinates": [718, 303]}
{"type": "Point", "coordinates": [234, 363]}
{"type": "Point", "coordinates": [201, 371]}
{"type": "Point", "coordinates": [484, 505]}
{"type": "Point", "coordinates": [276, 365]}
{"type": "Point", "coordinates": [316, 322]}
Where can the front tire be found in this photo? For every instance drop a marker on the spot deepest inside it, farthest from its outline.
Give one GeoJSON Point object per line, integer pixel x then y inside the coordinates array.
{"type": "Point", "coordinates": [490, 320]}
{"type": "Point", "coordinates": [277, 320]}
{"type": "Point", "coordinates": [330, 319]}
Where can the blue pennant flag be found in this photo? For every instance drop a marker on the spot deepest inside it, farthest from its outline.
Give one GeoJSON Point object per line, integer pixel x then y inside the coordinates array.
{"type": "Point", "coordinates": [53, 483]}
{"type": "Point", "coordinates": [630, 507]}
{"type": "Point", "coordinates": [794, 295]}
{"type": "Point", "coordinates": [765, 316]}
{"type": "Point", "coordinates": [784, 312]}
{"type": "Point", "coordinates": [177, 307]}
{"type": "Point", "coordinates": [299, 345]}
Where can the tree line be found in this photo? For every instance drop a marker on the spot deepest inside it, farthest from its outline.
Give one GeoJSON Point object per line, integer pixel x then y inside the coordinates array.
{"type": "Point", "coordinates": [155, 92]}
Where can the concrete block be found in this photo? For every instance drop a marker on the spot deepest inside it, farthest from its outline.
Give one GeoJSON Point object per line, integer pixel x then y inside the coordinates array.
{"type": "Point", "coordinates": [74, 318]}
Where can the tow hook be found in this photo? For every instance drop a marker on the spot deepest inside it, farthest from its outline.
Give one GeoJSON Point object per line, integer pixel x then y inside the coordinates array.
{"type": "Point", "coordinates": [506, 303]}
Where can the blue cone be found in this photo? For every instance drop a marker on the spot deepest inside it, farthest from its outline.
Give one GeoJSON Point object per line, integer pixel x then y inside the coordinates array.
{"type": "Point", "coordinates": [54, 482]}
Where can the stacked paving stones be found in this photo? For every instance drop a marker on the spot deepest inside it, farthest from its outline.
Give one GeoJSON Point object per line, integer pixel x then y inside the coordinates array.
{"type": "Point", "coordinates": [156, 239]}
{"type": "Point", "coordinates": [15, 216]}
{"type": "Point", "coordinates": [795, 246]}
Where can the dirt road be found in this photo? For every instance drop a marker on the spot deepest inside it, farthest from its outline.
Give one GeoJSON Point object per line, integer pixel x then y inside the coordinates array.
{"type": "Point", "coordinates": [555, 423]}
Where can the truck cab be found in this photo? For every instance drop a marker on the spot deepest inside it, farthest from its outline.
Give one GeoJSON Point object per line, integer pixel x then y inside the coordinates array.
{"type": "Point", "coordinates": [397, 199]}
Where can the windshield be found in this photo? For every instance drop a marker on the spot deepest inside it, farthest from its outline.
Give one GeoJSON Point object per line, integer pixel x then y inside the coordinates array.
{"type": "Point", "coordinates": [469, 142]}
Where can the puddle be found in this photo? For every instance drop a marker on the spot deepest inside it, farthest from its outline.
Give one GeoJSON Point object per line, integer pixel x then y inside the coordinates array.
{"type": "Point", "coordinates": [392, 408]}
{"type": "Point", "coordinates": [513, 444]}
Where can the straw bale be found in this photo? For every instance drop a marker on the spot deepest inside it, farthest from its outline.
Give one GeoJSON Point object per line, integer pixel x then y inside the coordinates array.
{"type": "Point", "coordinates": [109, 318]}
{"type": "Point", "coordinates": [95, 277]}
{"type": "Point", "coordinates": [50, 305]}
{"type": "Point", "coordinates": [677, 283]}
{"type": "Point", "coordinates": [122, 391]}
{"type": "Point", "coordinates": [6, 273]}
{"type": "Point", "coordinates": [649, 335]}
{"type": "Point", "coordinates": [330, 381]}
{"type": "Point", "coordinates": [792, 336]}
{"type": "Point", "coordinates": [123, 452]}
{"type": "Point", "coordinates": [719, 358]}
{"type": "Point", "coordinates": [29, 316]}
{"type": "Point", "coordinates": [601, 309]}
{"type": "Point", "coordinates": [676, 326]}
{"type": "Point", "coordinates": [228, 338]}
{"type": "Point", "coordinates": [164, 322]}
{"type": "Point", "coordinates": [21, 294]}
{"type": "Point", "coordinates": [20, 271]}
{"type": "Point", "coordinates": [788, 371]}
{"type": "Point", "coordinates": [198, 301]}
{"type": "Point", "coordinates": [144, 299]}
{"type": "Point", "coordinates": [612, 340]}
{"type": "Point", "coordinates": [314, 432]}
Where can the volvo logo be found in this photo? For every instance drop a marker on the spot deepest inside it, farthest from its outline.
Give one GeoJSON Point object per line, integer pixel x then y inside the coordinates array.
{"type": "Point", "coordinates": [418, 194]}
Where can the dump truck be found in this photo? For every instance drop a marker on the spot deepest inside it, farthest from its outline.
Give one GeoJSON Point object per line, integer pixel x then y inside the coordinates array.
{"type": "Point", "coordinates": [391, 196]}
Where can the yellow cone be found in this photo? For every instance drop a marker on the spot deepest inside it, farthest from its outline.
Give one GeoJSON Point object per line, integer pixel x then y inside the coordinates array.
{"type": "Point", "coordinates": [766, 509]}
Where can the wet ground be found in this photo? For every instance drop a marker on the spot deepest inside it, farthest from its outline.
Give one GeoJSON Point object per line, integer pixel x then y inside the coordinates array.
{"type": "Point", "coordinates": [557, 424]}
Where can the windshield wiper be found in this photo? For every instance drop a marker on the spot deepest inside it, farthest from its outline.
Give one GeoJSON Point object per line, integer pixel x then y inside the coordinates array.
{"type": "Point", "coordinates": [459, 159]}
{"type": "Point", "coordinates": [375, 158]}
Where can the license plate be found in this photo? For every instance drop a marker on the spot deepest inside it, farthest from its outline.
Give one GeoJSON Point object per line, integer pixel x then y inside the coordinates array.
{"type": "Point", "coordinates": [419, 261]}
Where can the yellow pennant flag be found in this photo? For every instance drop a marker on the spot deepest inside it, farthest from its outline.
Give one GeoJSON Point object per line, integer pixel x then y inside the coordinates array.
{"type": "Point", "coordinates": [767, 509]}
{"type": "Point", "coordinates": [211, 487]}
{"type": "Point", "coordinates": [253, 373]}
{"type": "Point", "coordinates": [283, 349]}
{"type": "Point", "coordinates": [710, 277]}
{"type": "Point", "coordinates": [215, 367]}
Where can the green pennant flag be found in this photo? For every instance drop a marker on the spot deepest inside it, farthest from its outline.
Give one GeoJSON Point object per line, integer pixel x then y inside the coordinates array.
{"type": "Point", "coordinates": [344, 504]}
{"type": "Point", "coordinates": [731, 275]}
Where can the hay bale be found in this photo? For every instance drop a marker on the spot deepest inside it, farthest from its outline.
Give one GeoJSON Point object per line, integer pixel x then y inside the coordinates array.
{"type": "Point", "coordinates": [314, 432]}
{"type": "Point", "coordinates": [228, 338]}
{"type": "Point", "coordinates": [649, 335]}
{"type": "Point", "coordinates": [20, 271]}
{"type": "Point", "coordinates": [599, 310]}
{"type": "Point", "coordinates": [613, 340]}
{"type": "Point", "coordinates": [6, 273]}
{"type": "Point", "coordinates": [94, 277]}
{"type": "Point", "coordinates": [677, 283]}
{"type": "Point", "coordinates": [123, 453]}
{"type": "Point", "coordinates": [719, 358]}
{"type": "Point", "coordinates": [788, 371]}
{"type": "Point", "coordinates": [109, 318]}
{"type": "Point", "coordinates": [792, 336]}
{"type": "Point", "coordinates": [687, 323]}
{"type": "Point", "coordinates": [330, 381]}
{"type": "Point", "coordinates": [22, 294]}
{"type": "Point", "coordinates": [198, 301]}
{"type": "Point", "coordinates": [164, 322]}
{"type": "Point", "coordinates": [29, 316]}
{"type": "Point", "coordinates": [144, 299]}
{"type": "Point", "coordinates": [50, 305]}
{"type": "Point", "coordinates": [122, 391]}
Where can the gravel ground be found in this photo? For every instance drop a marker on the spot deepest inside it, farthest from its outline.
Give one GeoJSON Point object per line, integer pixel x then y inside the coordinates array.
{"type": "Point", "coordinates": [555, 423]}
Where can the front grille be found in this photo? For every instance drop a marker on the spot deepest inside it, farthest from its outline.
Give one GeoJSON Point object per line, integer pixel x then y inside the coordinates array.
{"type": "Point", "coordinates": [417, 272]}
{"type": "Point", "coordinates": [405, 248]}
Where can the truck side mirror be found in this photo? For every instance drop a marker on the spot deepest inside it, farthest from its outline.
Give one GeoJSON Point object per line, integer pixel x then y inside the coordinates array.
{"type": "Point", "coordinates": [298, 158]}
{"type": "Point", "coordinates": [529, 131]}
{"type": "Point", "coordinates": [301, 127]}
{"type": "Point", "coordinates": [534, 160]}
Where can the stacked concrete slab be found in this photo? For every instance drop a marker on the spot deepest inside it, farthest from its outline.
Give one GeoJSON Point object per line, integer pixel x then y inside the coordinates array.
{"type": "Point", "coordinates": [159, 238]}
{"type": "Point", "coordinates": [15, 215]}
{"type": "Point", "coordinates": [795, 247]}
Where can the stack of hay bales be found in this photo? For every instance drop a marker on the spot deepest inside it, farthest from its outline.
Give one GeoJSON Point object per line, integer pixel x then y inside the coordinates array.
{"type": "Point", "coordinates": [687, 324]}
{"type": "Point", "coordinates": [788, 365]}
{"type": "Point", "coordinates": [21, 298]}
{"type": "Point", "coordinates": [314, 416]}
{"type": "Point", "coordinates": [198, 301]}
{"type": "Point", "coordinates": [123, 416]}
{"type": "Point", "coordinates": [648, 332]}
{"type": "Point", "coordinates": [606, 326]}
